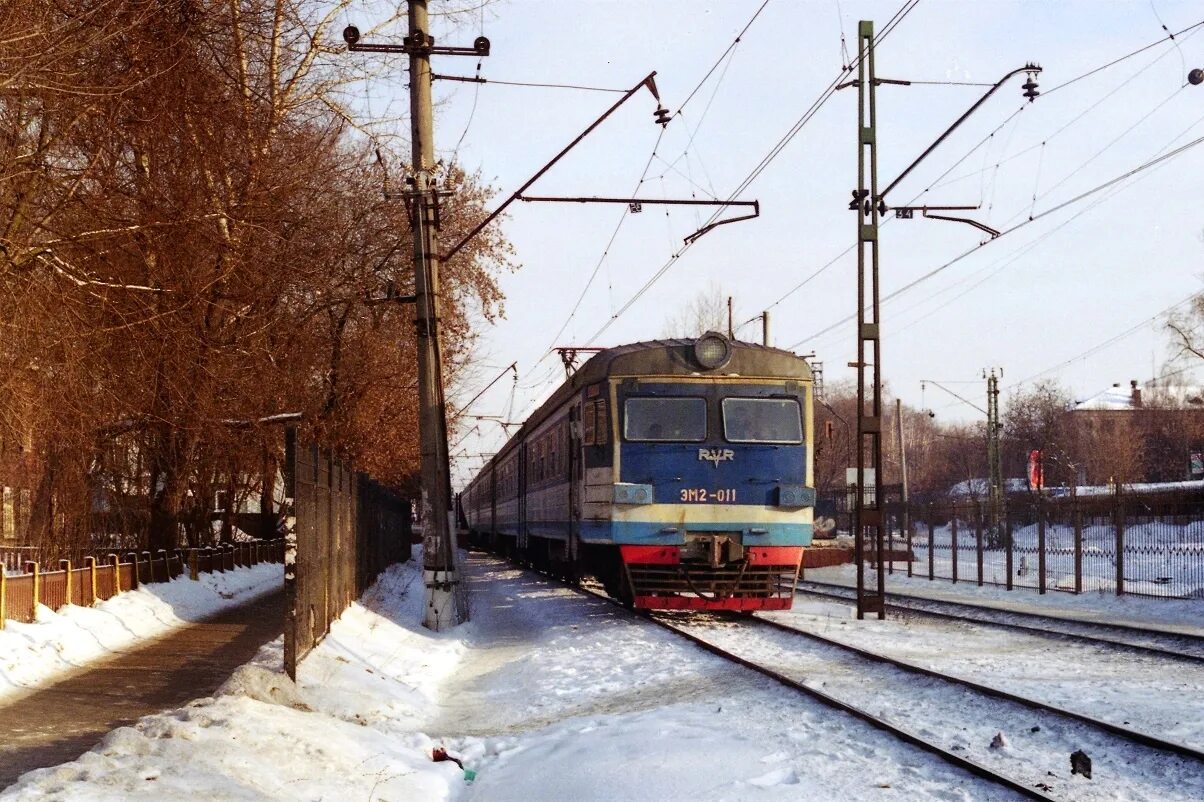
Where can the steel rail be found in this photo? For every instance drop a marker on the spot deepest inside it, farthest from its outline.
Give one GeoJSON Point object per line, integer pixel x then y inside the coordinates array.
{"type": "Point", "coordinates": [1048, 633]}
{"type": "Point", "coordinates": [1116, 729]}
{"type": "Point", "coordinates": [964, 763]}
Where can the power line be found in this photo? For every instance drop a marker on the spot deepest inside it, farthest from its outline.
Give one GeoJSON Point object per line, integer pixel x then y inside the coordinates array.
{"type": "Point", "coordinates": [1191, 29]}
{"type": "Point", "coordinates": [722, 56]}
{"type": "Point", "coordinates": [1102, 345]}
{"type": "Point", "coordinates": [1076, 199]}
{"type": "Point", "coordinates": [806, 117]}
{"type": "Point", "coordinates": [478, 79]}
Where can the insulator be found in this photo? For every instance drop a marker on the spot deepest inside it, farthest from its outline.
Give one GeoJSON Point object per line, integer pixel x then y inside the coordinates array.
{"type": "Point", "coordinates": [1196, 77]}
{"type": "Point", "coordinates": [661, 116]}
{"type": "Point", "coordinates": [1030, 88]}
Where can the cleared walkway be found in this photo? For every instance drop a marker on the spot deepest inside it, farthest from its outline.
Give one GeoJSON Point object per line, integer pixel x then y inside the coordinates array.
{"type": "Point", "coordinates": [62, 721]}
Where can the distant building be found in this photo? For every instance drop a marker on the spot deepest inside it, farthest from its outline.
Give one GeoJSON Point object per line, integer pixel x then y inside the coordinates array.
{"type": "Point", "coordinates": [1141, 433]}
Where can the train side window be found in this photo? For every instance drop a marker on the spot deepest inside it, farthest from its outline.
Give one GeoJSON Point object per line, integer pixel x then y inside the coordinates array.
{"type": "Point", "coordinates": [601, 426]}
{"type": "Point", "coordinates": [587, 424]}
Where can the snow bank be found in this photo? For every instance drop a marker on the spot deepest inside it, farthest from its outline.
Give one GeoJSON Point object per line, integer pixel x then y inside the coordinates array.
{"type": "Point", "coordinates": [544, 696]}
{"type": "Point", "coordinates": [67, 640]}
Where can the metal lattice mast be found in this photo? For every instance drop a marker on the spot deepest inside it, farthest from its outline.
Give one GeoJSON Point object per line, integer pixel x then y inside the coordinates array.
{"type": "Point", "coordinates": [867, 509]}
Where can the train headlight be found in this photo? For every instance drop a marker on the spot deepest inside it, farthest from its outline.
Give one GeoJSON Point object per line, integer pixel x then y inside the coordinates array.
{"type": "Point", "coordinates": [712, 350]}
{"type": "Point", "coordinates": [633, 494]}
{"type": "Point", "coordinates": [796, 496]}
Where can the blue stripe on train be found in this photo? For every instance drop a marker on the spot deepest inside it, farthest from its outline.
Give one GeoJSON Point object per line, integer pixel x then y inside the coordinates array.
{"type": "Point", "coordinates": [651, 533]}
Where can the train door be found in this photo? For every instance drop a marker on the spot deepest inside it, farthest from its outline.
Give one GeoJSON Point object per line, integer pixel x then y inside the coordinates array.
{"type": "Point", "coordinates": [576, 485]}
{"type": "Point", "coordinates": [521, 523]}
{"type": "Point", "coordinates": [492, 507]}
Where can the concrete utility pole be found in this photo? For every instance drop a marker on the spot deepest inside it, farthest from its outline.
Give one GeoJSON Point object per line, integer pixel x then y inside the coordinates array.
{"type": "Point", "coordinates": [867, 511]}
{"type": "Point", "coordinates": [439, 548]}
{"type": "Point", "coordinates": [765, 327]}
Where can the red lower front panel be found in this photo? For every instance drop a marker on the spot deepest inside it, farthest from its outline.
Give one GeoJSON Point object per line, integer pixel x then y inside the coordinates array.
{"type": "Point", "coordinates": [763, 580]}
{"type": "Point", "coordinates": [699, 603]}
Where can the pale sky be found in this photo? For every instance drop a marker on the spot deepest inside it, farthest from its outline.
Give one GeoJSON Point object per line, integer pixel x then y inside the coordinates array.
{"type": "Point", "coordinates": [1032, 302]}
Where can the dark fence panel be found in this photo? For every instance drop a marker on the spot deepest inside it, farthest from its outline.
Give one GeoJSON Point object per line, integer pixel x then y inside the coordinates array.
{"type": "Point", "coordinates": [1147, 545]}
{"type": "Point", "coordinates": [348, 529]}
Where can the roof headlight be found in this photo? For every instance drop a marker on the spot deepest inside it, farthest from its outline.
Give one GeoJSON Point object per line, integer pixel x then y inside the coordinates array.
{"type": "Point", "coordinates": [712, 350]}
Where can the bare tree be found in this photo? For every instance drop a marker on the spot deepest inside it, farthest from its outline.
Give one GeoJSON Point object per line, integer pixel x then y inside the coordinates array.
{"type": "Point", "coordinates": [706, 311]}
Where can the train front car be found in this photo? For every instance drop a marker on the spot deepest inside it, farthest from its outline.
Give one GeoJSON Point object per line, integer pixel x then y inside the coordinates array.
{"type": "Point", "coordinates": [712, 496]}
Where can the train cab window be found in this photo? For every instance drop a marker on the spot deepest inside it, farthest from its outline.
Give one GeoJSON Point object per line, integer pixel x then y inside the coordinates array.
{"type": "Point", "coordinates": [762, 420]}
{"type": "Point", "coordinates": [665, 420]}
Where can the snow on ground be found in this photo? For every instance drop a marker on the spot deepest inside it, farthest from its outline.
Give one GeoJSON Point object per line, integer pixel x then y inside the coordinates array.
{"type": "Point", "coordinates": [1171, 615]}
{"type": "Point", "coordinates": [1151, 694]}
{"type": "Point", "coordinates": [1037, 746]}
{"type": "Point", "coordinates": [59, 643]}
{"type": "Point", "coordinates": [545, 695]}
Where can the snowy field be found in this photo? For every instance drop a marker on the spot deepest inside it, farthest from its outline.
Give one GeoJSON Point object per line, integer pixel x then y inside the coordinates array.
{"type": "Point", "coordinates": [545, 695]}
{"type": "Point", "coordinates": [62, 642]}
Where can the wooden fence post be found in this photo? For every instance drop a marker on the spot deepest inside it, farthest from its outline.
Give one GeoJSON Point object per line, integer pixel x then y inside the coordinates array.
{"type": "Point", "coordinates": [65, 566]}
{"type": "Point", "coordinates": [90, 564]}
{"type": "Point", "coordinates": [135, 576]}
{"type": "Point", "coordinates": [32, 568]}
{"type": "Point", "coordinates": [115, 561]}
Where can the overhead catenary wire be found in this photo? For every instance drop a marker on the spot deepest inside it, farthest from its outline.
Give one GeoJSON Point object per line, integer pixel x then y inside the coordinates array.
{"type": "Point", "coordinates": [996, 267]}
{"type": "Point", "coordinates": [1045, 213]}
{"type": "Point", "coordinates": [768, 159]}
{"type": "Point", "coordinates": [644, 174]}
{"type": "Point", "coordinates": [890, 26]}
{"type": "Point", "coordinates": [1105, 343]}
{"type": "Point", "coordinates": [1192, 29]}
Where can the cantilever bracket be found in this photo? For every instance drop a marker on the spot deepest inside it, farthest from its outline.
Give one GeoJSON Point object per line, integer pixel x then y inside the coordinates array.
{"type": "Point", "coordinates": [756, 213]}
{"type": "Point", "coordinates": [980, 226]}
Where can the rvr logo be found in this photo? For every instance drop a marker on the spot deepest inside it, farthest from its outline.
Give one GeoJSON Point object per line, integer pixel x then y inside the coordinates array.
{"type": "Point", "coordinates": [716, 455]}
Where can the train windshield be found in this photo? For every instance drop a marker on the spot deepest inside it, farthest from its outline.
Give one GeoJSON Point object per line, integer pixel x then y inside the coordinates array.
{"type": "Point", "coordinates": [762, 420]}
{"type": "Point", "coordinates": [665, 420]}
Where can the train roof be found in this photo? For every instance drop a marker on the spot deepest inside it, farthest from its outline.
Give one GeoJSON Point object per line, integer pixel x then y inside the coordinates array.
{"type": "Point", "coordinates": [665, 358]}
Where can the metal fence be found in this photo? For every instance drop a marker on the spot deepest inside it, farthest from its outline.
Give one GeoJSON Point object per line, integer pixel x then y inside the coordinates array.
{"type": "Point", "coordinates": [104, 576]}
{"type": "Point", "coordinates": [1146, 545]}
{"type": "Point", "coordinates": [348, 529]}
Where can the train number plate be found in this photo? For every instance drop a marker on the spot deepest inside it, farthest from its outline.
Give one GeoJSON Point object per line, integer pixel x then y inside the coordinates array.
{"type": "Point", "coordinates": [700, 495]}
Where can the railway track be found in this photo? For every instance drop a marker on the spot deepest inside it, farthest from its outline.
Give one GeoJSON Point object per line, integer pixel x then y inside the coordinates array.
{"type": "Point", "coordinates": [1159, 643]}
{"type": "Point", "coordinates": [1138, 769]}
{"type": "Point", "coordinates": [877, 721]}
{"type": "Point", "coordinates": [1128, 764]}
